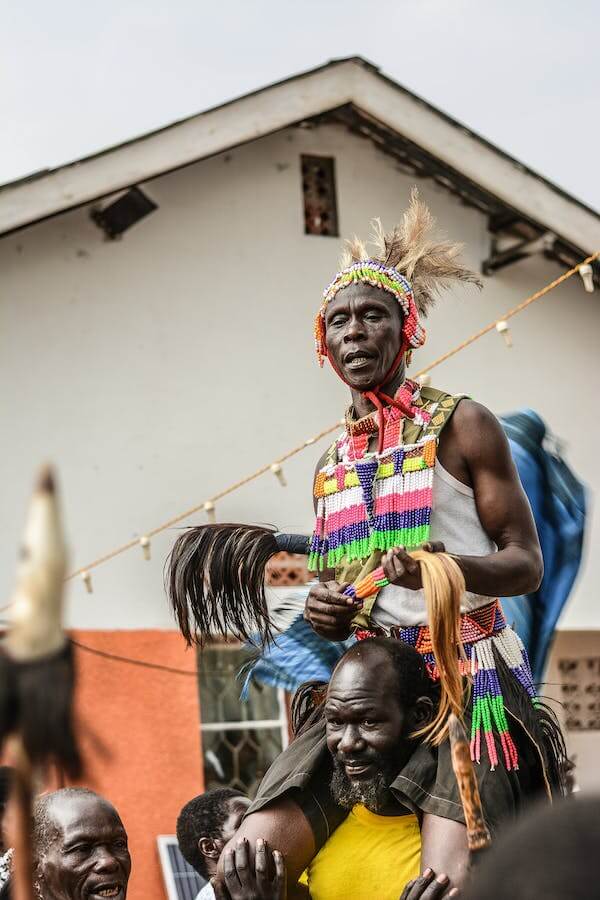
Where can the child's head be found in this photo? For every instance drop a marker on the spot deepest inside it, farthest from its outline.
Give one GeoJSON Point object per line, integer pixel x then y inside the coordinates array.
{"type": "Point", "coordinates": [206, 823]}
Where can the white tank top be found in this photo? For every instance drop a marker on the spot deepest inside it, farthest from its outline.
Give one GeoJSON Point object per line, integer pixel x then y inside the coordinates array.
{"type": "Point", "coordinates": [455, 522]}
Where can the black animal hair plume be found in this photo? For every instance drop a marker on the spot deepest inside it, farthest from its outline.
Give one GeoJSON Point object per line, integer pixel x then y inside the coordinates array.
{"type": "Point", "coordinates": [215, 581]}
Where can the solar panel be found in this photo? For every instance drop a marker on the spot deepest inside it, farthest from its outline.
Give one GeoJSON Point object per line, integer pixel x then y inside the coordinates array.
{"type": "Point", "coordinates": [181, 881]}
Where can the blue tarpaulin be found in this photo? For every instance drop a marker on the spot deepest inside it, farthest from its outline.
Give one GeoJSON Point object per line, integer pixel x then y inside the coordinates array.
{"type": "Point", "coordinates": [558, 502]}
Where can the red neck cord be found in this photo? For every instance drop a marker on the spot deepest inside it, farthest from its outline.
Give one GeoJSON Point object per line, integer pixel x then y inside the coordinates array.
{"type": "Point", "coordinates": [379, 399]}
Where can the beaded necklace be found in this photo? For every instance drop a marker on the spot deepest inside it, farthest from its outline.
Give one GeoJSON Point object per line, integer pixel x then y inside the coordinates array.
{"type": "Point", "coordinates": [374, 501]}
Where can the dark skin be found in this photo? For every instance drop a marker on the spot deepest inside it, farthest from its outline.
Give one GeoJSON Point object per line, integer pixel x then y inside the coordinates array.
{"type": "Point", "coordinates": [211, 848]}
{"type": "Point", "coordinates": [429, 887]}
{"type": "Point", "coordinates": [361, 720]}
{"type": "Point", "coordinates": [363, 329]}
{"type": "Point", "coordinates": [88, 857]}
{"type": "Point", "coordinates": [284, 825]}
{"type": "Point", "coordinates": [365, 321]}
{"type": "Point", "coordinates": [363, 335]}
{"type": "Point", "coordinates": [365, 718]}
{"type": "Point", "coordinates": [263, 878]}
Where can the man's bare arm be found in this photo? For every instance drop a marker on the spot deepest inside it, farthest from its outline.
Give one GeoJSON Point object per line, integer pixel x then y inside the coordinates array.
{"type": "Point", "coordinates": [502, 506]}
{"type": "Point", "coordinates": [474, 449]}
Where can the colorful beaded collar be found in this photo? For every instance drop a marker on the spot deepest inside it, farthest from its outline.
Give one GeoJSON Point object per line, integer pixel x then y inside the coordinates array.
{"type": "Point", "coordinates": [354, 442]}
{"type": "Point", "coordinates": [368, 502]}
{"type": "Point", "coordinates": [388, 279]}
{"type": "Point", "coordinates": [408, 394]}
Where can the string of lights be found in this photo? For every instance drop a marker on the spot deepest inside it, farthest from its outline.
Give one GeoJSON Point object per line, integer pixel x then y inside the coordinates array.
{"type": "Point", "coordinates": [208, 506]}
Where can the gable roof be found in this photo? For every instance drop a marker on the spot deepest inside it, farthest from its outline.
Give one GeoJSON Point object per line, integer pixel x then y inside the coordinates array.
{"type": "Point", "coordinates": [353, 92]}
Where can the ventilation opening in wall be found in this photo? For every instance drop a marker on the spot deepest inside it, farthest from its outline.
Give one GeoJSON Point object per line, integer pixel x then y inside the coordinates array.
{"type": "Point", "coordinates": [122, 213]}
{"type": "Point", "coordinates": [318, 189]}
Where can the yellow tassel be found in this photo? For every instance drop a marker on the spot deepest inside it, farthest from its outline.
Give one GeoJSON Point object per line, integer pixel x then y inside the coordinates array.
{"type": "Point", "coordinates": [444, 588]}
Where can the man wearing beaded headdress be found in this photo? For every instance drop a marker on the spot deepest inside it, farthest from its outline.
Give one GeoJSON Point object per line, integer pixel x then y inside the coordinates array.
{"type": "Point", "coordinates": [416, 467]}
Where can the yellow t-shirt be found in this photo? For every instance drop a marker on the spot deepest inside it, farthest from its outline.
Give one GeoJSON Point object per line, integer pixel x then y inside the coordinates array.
{"type": "Point", "coordinates": [368, 857]}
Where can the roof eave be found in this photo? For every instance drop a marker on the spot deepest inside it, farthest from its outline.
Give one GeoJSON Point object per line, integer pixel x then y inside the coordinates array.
{"type": "Point", "coordinates": [351, 81]}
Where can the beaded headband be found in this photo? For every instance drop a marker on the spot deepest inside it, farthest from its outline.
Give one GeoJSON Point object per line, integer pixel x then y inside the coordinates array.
{"type": "Point", "coordinates": [378, 275]}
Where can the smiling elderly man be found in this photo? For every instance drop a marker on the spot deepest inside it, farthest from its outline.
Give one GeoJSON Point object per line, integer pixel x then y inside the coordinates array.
{"type": "Point", "coordinates": [80, 847]}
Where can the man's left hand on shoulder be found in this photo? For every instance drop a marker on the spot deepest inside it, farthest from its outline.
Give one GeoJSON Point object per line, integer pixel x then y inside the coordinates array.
{"type": "Point", "coordinates": [244, 881]}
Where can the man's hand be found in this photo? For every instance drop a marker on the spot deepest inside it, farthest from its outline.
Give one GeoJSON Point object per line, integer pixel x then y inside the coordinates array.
{"type": "Point", "coordinates": [401, 569]}
{"type": "Point", "coordinates": [428, 887]}
{"type": "Point", "coordinates": [242, 883]}
{"type": "Point", "coordinates": [330, 611]}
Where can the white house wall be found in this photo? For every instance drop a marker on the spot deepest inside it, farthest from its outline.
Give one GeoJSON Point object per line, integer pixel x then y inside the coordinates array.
{"type": "Point", "coordinates": [158, 369]}
{"type": "Point", "coordinates": [582, 746]}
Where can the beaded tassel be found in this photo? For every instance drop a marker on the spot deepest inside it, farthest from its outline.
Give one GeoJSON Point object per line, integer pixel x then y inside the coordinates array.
{"type": "Point", "coordinates": [369, 585]}
{"type": "Point", "coordinates": [482, 631]}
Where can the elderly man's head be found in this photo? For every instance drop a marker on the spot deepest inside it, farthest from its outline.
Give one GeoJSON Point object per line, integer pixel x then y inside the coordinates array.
{"type": "Point", "coordinates": [80, 847]}
{"type": "Point", "coordinates": [379, 694]}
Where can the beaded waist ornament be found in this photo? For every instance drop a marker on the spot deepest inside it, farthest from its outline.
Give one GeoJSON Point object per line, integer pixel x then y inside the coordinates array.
{"type": "Point", "coordinates": [482, 632]}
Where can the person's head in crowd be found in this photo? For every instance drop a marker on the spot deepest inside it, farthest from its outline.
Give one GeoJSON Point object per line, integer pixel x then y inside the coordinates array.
{"type": "Point", "coordinates": [80, 847]}
{"type": "Point", "coordinates": [6, 852]}
{"type": "Point", "coordinates": [6, 773]}
{"type": "Point", "coordinates": [206, 824]}
{"type": "Point", "coordinates": [378, 696]}
{"type": "Point", "coordinates": [552, 854]}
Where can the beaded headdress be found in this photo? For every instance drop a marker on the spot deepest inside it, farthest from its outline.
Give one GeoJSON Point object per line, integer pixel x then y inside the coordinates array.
{"type": "Point", "coordinates": [407, 263]}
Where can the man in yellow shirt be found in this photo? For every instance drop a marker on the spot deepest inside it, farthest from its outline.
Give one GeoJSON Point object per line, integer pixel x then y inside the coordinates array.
{"type": "Point", "coordinates": [378, 696]}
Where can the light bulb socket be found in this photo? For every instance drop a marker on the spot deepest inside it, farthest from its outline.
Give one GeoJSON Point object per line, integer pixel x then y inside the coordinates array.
{"type": "Point", "coordinates": [587, 276]}
{"type": "Point", "coordinates": [209, 509]}
{"type": "Point", "coordinates": [277, 471]}
{"type": "Point", "coordinates": [86, 577]}
{"type": "Point", "coordinates": [503, 329]}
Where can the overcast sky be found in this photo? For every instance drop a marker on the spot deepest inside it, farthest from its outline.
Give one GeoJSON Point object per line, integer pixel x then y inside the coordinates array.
{"type": "Point", "coordinates": [80, 75]}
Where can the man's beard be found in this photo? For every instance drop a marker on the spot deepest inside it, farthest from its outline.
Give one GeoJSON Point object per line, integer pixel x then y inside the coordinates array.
{"type": "Point", "coordinates": [373, 792]}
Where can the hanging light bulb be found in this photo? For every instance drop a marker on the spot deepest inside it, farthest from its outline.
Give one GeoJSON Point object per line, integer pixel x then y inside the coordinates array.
{"type": "Point", "coordinates": [145, 545]}
{"type": "Point", "coordinates": [86, 577]}
{"type": "Point", "coordinates": [587, 276]}
{"type": "Point", "coordinates": [209, 509]}
{"type": "Point", "coordinates": [277, 471]}
{"type": "Point", "coordinates": [503, 329]}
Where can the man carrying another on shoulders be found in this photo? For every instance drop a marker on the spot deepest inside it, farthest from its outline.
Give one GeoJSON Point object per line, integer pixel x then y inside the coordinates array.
{"type": "Point", "coordinates": [379, 694]}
